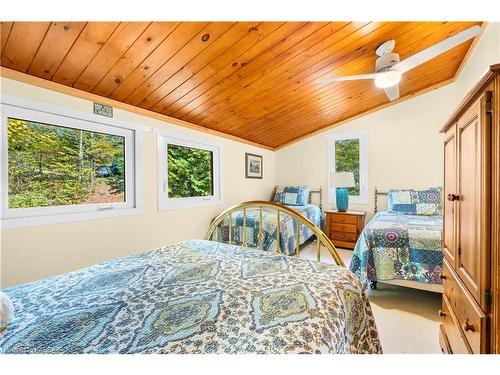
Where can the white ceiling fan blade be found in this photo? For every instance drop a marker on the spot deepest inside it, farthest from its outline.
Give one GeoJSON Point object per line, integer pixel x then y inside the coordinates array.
{"type": "Point", "coordinates": [392, 92]}
{"type": "Point", "coordinates": [347, 78]}
{"type": "Point", "coordinates": [436, 50]}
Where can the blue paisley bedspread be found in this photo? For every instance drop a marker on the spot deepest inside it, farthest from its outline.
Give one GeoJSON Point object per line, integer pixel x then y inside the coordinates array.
{"type": "Point", "coordinates": [288, 228]}
{"type": "Point", "coordinates": [194, 297]}
{"type": "Point", "coordinates": [398, 246]}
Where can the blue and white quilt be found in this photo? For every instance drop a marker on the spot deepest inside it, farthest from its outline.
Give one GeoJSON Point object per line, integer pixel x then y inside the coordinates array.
{"type": "Point", "coordinates": [287, 234]}
{"type": "Point", "coordinates": [399, 246]}
{"type": "Point", "coordinates": [194, 297]}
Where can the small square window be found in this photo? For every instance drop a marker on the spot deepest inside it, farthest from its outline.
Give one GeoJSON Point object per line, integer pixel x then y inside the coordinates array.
{"type": "Point", "coordinates": [188, 171]}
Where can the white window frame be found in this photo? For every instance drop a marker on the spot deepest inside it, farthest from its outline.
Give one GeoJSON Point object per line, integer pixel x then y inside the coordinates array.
{"type": "Point", "coordinates": [363, 136]}
{"type": "Point", "coordinates": [24, 109]}
{"type": "Point", "coordinates": [166, 203]}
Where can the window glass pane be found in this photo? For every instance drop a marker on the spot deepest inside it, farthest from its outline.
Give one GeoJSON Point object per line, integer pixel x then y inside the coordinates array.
{"type": "Point", "coordinates": [52, 165]}
{"type": "Point", "coordinates": [190, 172]}
{"type": "Point", "coordinates": [347, 160]}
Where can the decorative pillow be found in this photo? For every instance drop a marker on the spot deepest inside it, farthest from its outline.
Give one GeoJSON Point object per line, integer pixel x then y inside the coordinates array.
{"type": "Point", "coordinates": [292, 195]}
{"type": "Point", "coordinates": [415, 202]}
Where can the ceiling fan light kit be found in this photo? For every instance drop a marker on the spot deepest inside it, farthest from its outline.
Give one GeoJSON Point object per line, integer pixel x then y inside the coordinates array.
{"type": "Point", "coordinates": [387, 79]}
{"type": "Point", "coordinates": [389, 68]}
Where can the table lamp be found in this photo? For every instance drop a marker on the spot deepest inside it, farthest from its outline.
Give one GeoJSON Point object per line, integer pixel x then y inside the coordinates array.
{"type": "Point", "coordinates": [342, 181]}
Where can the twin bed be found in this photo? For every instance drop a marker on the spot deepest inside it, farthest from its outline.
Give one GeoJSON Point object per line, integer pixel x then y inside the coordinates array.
{"type": "Point", "coordinates": [403, 245]}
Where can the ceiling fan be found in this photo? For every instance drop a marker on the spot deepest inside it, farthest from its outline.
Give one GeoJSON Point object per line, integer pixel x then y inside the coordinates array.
{"type": "Point", "coordinates": [389, 69]}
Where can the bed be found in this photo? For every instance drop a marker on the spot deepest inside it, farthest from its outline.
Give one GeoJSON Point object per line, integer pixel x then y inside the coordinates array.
{"type": "Point", "coordinates": [195, 296]}
{"type": "Point", "coordinates": [402, 247]}
{"type": "Point", "coordinates": [297, 198]}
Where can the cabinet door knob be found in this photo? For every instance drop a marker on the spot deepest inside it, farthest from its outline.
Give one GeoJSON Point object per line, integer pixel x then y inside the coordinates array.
{"type": "Point", "coordinates": [467, 326]}
{"type": "Point", "coordinates": [453, 197]}
{"type": "Point", "coordinates": [441, 313]}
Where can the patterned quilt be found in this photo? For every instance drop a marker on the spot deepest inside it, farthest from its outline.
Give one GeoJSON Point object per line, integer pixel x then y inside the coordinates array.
{"type": "Point", "coordinates": [288, 228]}
{"type": "Point", "coordinates": [194, 297]}
{"type": "Point", "coordinates": [399, 246]}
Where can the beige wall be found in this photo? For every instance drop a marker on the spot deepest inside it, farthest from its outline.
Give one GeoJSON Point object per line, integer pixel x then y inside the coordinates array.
{"type": "Point", "coordinates": [36, 252]}
{"type": "Point", "coordinates": [405, 147]}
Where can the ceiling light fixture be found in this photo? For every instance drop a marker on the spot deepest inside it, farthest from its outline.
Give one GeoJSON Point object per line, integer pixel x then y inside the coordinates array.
{"type": "Point", "coordinates": [387, 79]}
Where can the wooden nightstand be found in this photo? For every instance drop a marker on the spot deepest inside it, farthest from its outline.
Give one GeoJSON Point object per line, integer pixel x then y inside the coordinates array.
{"type": "Point", "coordinates": [344, 228]}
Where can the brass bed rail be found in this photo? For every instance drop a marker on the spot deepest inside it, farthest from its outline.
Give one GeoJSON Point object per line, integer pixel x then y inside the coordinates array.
{"type": "Point", "coordinates": [280, 209]}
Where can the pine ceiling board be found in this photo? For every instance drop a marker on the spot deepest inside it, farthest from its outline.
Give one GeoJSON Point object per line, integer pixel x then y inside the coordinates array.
{"type": "Point", "coordinates": [256, 83]}
{"type": "Point", "coordinates": [92, 38]}
{"type": "Point", "coordinates": [221, 79]}
{"type": "Point", "coordinates": [263, 84]}
{"type": "Point", "coordinates": [156, 33]}
{"type": "Point", "coordinates": [283, 48]}
{"type": "Point", "coordinates": [4, 34]}
{"type": "Point", "coordinates": [262, 96]}
{"type": "Point", "coordinates": [122, 39]}
{"type": "Point", "coordinates": [225, 42]}
{"type": "Point", "coordinates": [56, 44]}
{"type": "Point", "coordinates": [303, 93]}
{"type": "Point", "coordinates": [23, 43]}
{"type": "Point", "coordinates": [217, 65]}
{"type": "Point", "coordinates": [273, 63]}
{"type": "Point", "coordinates": [189, 51]}
{"type": "Point", "coordinates": [182, 34]}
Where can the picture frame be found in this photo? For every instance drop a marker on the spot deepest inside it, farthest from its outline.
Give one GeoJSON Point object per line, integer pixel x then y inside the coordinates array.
{"type": "Point", "coordinates": [254, 166]}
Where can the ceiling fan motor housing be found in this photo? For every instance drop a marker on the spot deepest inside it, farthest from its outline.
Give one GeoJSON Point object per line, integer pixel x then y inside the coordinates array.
{"type": "Point", "coordinates": [385, 61]}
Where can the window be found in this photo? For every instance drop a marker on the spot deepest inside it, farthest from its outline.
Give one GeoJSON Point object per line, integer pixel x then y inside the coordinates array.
{"type": "Point", "coordinates": [188, 172]}
{"type": "Point", "coordinates": [58, 168]}
{"type": "Point", "coordinates": [348, 152]}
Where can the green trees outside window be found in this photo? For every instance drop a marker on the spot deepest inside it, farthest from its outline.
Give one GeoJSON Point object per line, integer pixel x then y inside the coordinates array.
{"type": "Point", "coordinates": [347, 160]}
{"type": "Point", "coordinates": [51, 165]}
{"type": "Point", "coordinates": [190, 172]}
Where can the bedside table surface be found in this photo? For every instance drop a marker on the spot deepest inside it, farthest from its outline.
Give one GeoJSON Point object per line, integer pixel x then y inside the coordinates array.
{"type": "Point", "coordinates": [358, 213]}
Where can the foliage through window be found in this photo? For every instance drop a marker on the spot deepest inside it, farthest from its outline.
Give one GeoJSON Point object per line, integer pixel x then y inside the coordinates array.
{"type": "Point", "coordinates": [190, 172]}
{"type": "Point", "coordinates": [347, 160]}
{"type": "Point", "coordinates": [52, 165]}
{"type": "Point", "coordinates": [348, 152]}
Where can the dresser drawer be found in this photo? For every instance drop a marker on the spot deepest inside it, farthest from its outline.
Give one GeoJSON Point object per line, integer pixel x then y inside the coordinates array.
{"type": "Point", "coordinates": [343, 236]}
{"type": "Point", "coordinates": [345, 219]}
{"type": "Point", "coordinates": [456, 341]}
{"type": "Point", "coordinates": [471, 319]}
{"type": "Point", "coordinates": [350, 228]}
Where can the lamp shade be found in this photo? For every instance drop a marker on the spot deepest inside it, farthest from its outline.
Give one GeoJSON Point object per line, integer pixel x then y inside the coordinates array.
{"type": "Point", "coordinates": [343, 179]}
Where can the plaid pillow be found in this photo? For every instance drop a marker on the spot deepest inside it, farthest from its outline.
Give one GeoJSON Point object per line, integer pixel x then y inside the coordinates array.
{"type": "Point", "coordinates": [415, 202]}
{"type": "Point", "coordinates": [292, 195]}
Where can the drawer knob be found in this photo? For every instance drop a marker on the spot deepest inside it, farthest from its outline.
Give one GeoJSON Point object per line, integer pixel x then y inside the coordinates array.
{"type": "Point", "coordinates": [442, 277]}
{"type": "Point", "coordinates": [453, 197]}
{"type": "Point", "coordinates": [441, 313]}
{"type": "Point", "coordinates": [342, 227]}
{"type": "Point", "coordinates": [343, 219]}
{"type": "Point", "coordinates": [467, 326]}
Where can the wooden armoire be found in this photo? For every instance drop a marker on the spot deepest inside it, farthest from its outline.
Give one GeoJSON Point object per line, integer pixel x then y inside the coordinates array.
{"type": "Point", "coordinates": [471, 234]}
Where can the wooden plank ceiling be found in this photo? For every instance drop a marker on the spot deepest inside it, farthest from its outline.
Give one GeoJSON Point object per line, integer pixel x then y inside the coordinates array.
{"type": "Point", "coordinates": [253, 80]}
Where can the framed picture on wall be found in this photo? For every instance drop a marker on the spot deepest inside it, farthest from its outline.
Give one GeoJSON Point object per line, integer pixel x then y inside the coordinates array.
{"type": "Point", "coordinates": [253, 166]}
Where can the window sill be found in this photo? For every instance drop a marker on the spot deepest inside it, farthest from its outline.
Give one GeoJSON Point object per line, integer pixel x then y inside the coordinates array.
{"type": "Point", "coordinates": [171, 206]}
{"type": "Point", "coordinates": [22, 222]}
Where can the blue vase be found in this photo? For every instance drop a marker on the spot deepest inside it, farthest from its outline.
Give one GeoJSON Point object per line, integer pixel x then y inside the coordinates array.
{"type": "Point", "coordinates": [342, 199]}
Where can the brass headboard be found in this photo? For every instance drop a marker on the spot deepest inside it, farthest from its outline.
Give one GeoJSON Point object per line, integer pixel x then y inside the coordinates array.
{"type": "Point", "coordinates": [377, 193]}
{"type": "Point", "coordinates": [322, 238]}
{"type": "Point", "coordinates": [309, 200]}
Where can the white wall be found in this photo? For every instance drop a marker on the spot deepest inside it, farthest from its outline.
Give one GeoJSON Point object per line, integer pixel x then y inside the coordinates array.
{"type": "Point", "coordinates": [36, 252]}
{"type": "Point", "coordinates": [405, 147]}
